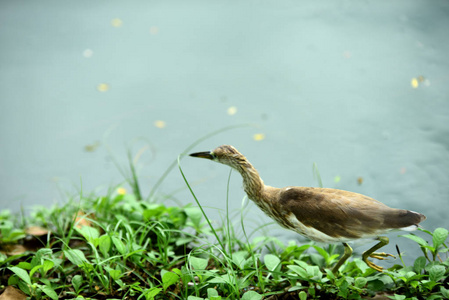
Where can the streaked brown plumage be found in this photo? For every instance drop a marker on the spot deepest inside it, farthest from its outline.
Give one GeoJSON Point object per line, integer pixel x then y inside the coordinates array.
{"type": "Point", "coordinates": [321, 214]}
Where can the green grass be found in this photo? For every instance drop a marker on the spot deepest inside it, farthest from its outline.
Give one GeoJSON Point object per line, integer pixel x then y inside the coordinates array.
{"type": "Point", "coordinates": [115, 246]}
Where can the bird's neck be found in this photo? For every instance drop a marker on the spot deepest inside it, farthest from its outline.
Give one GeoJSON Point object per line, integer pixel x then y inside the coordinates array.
{"type": "Point", "coordinates": [252, 183]}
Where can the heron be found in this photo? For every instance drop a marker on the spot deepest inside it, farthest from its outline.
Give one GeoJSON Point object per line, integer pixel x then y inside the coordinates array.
{"type": "Point", "coordinates": [320, 214]}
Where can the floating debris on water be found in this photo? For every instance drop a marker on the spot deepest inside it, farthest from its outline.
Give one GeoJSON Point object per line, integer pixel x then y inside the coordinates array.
{"type": "Point", "coordinates": [417, 80]}
{"type": "Point", "coordinates": [88, 53]}
{"type": "Point", "coordinates": [259, 136]}
{"type": "Point", "coordinates": [232, 110]}
{"type": "Point", "coordinates": [160, 124]}
{"type": "Point", "coordinates": [92, 147]}
{"type": "Point", "coordinates": [154, 30]}
{"type": "Point", "coordinates": [103, 87]}
{"type": "Point", "coordinates": [116, 22]}
{"type": "Point", "coordinates": [414, 83]}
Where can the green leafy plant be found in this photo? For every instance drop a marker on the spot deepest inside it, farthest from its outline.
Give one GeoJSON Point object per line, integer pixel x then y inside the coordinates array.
{"type": "Point", "coordinates": [438, 245]}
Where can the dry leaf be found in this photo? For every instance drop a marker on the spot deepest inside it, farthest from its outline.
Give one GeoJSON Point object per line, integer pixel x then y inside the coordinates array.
{"type": "Point", "coordinates": [160, 124]}
{"type": "Point", "coordinates": [103, 87]}
{"type": "Point", "coordinates": [232, 110]}
{"type": "Point", "coordinates": [258, 136]}
{"type": "Point", "coordinates": [11, 293]}
{"type": "Point", "coordinates": [14, 249]}
{"type": "Point", "coordinates": [81, 219]}
{"type": "Point", "coordinates": [36, 231]}
{"type": "Point", "coordinates": [116, 22]}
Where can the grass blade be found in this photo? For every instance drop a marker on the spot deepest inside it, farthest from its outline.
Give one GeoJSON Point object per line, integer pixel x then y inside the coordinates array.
{"type": "Point", "coordinates": [200, 206]}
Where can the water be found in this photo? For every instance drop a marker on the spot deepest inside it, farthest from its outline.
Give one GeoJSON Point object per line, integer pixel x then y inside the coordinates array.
{"type": "Point", "coordinates": [359, 88]}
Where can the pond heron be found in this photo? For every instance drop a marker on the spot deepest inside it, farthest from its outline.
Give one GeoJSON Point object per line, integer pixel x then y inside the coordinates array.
{"type": "Point", "coordinates": [321, 214]}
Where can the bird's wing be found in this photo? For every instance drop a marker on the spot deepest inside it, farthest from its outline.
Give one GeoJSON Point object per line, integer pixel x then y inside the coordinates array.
{"type": "Point", "coordinates": [343, 214]}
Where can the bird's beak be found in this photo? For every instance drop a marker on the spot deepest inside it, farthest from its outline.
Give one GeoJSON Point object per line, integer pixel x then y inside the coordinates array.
{"type": "Point", "coordinates": [206, 154]}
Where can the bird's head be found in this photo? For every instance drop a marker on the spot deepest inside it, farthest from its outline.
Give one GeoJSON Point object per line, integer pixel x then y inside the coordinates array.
{"type": "Point", "coordinates": [224, 154]}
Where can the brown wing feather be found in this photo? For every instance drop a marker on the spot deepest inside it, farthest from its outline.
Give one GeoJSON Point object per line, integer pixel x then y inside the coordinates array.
{"type": "Point", "coordinates": [340, 213]}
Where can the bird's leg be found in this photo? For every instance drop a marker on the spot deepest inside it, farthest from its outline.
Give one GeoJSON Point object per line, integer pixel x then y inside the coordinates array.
{"type": "Point", "coordinates": [346, 255]}
{"type": "Point", "coordinates": [383, 240]}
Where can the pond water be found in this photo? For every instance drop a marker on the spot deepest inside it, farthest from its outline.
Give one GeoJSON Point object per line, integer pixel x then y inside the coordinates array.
{"type": "Point", "coordinates": [360, 89]}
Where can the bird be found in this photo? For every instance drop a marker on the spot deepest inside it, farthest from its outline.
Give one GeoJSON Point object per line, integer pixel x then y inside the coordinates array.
{"type": "Point", "coordinates": [321, 214]}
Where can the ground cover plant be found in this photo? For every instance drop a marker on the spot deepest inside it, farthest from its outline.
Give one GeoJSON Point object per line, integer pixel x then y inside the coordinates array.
{"type": "Point", "coordinates": [118, 246]}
